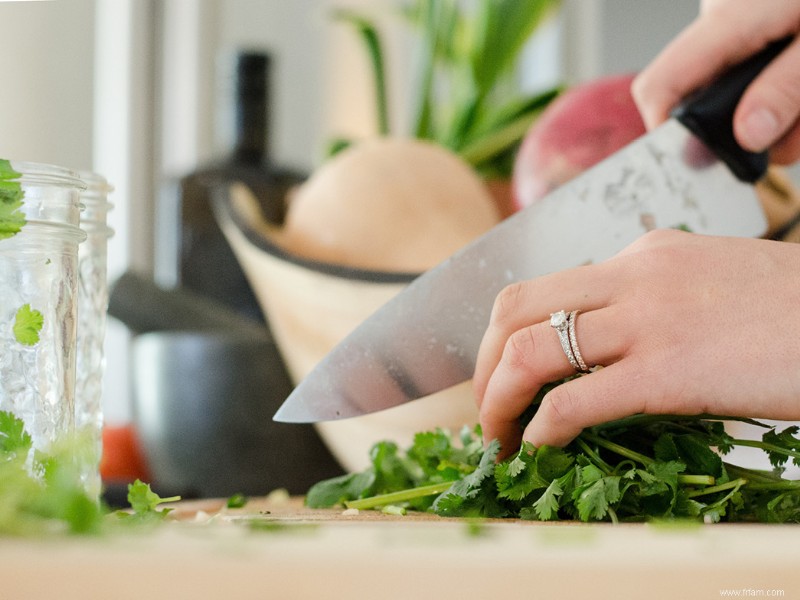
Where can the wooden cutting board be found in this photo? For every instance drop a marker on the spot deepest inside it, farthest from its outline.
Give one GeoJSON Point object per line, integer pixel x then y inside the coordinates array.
{"type": "Point", "coordinates": [277, 548]}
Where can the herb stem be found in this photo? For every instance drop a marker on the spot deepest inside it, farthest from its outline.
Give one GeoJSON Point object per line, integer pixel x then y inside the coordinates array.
{"type": "Point", "coordinates": [735, 485]}
{"type": "Point", "coordinates": [617, 448]}
{"type": "Point", "coordinates": [696, 479]}
{"type": "Point", "coordinates": [775, 485]}
{"type": "Point", "coordinates": [599, 461]}
{"type": "Point", "coordinates": [752, 475]}
{"type": "Point", "coordinates": [766, 447]}
{"type": "Point", "coordinates": [401, 496]}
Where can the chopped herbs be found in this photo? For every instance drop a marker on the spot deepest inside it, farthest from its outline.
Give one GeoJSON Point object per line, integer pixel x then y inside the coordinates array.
{"type": "Point", "coordinates": [144, 504]}
{"type": "Point", "coordinates": [42, 492]}
{"type": "Point", "coordinates": [27, 325]}
{"type": "Point", "coordinates": [640, 468]}
{"type": "Point", "coordinates": [237, 501]}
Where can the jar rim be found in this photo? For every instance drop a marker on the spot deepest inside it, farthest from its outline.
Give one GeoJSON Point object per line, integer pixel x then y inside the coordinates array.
{"type": "Point", "coordinates": [47, 174]}
{"type": "Point", "coordinates": [95, 183]}
{"type": "Point", "coordinates": [72, 232]}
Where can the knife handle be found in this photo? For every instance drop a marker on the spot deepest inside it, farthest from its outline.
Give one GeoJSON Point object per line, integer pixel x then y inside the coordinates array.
{"type": "Point", "coordinates": [708, 114]}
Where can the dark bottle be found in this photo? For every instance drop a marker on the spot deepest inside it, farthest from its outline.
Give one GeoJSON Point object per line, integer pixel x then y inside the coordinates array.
{"type": "Point", "coordinates": [204, 262]}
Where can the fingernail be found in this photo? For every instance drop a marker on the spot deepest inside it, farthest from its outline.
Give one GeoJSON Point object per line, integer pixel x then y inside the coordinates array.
{"type": "Point", "coordinates": [759, 129]}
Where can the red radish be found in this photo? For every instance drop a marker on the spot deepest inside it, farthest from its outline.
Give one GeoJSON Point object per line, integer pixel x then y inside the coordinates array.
{"type": "Point", "coordinates": [576, 131]}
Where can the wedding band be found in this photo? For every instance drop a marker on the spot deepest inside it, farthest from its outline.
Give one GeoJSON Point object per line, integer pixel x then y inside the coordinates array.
{"type": "Point", "coordinates": [573, 342]}
{"type": "Point", "coordinates": [560, 321]}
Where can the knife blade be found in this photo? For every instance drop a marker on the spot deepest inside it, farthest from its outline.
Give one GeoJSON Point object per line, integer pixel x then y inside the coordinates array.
{"type": "Point", "coordinates": [426, 338]}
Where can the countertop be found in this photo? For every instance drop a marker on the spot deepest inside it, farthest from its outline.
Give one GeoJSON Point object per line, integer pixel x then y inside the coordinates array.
{"type": "Point", "coordinates": [277, 548]}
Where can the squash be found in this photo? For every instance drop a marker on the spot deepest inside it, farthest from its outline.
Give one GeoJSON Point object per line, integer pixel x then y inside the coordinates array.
{"type": "Point", "coordinates": [389, 204]}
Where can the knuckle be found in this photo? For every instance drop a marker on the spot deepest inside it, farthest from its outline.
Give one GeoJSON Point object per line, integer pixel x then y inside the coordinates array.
{"type": "Point", "coordinates": [520, 349]}
{"type": "Point", "coordinates": [786, 98]}
{"type": "Point", "coordinates": [657, 252]}
{"type": "Point", "coordinates": [507, 303]}
{"type": "Point", "coordinates": [561, 408]}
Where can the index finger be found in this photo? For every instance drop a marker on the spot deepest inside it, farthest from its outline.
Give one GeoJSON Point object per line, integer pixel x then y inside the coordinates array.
{"type": "Point", "coordinates": [529, 302]}
{"type": "Point", "coordinates": [722, 36]}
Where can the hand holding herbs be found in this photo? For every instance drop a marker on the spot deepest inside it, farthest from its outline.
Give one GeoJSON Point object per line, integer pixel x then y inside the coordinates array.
{"type": "Point", "coordinates": [683, 323]}
{"type": "Point", "coordinates": [640, 468]}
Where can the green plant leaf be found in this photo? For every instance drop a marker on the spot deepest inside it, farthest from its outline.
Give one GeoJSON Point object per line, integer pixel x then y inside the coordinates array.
{"type": "Point", "coordinates": [14, 440]}
{"type": "Point", "coordinates": [11, 194]}
{"type": "Point", "coordinates": [27, 325]}
{"type": "Point", "coordinates": [502, 27]}
{"type": "Point", "coordinates": [546, 506]}
{"type": "Point", "coordinates": [372, 42]}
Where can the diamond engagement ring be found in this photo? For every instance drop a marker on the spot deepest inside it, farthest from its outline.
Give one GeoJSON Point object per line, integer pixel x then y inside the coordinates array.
{"type": "Point", "coordinates": [573, 342]}
{"type": "Point", "coordinates": [564, 324]}
{"type": "Point", "coordinates": [560, 322]}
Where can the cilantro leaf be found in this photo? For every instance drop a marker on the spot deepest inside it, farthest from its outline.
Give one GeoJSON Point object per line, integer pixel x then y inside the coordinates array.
{"type": "Point", "coordinates": [14, 440]}
{"type": "Point", "coordinates": [236, 501]}
{"type": "Point", "coordinates": [27, 325]}
{"type": "Point", "coordinates": [531, 469]}
{"type": "Point", "coordinates": [338, 490]}
{"type": "Point", "coordinates": [779, 442]}
{"type": "Point", "coordinates": [474, 495]}
{"type": "Point", "coordinates": [390, 470]}
{"type": "Point", "coordinates": [144, 503]}
{"type": "Point", "coordinates": [546, 506]}
{"type": "Point", "coordinates": [11, 194]}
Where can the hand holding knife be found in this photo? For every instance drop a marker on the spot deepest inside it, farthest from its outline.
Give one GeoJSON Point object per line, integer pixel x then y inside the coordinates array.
{"type": "Point", "coordinates": [427, 338]}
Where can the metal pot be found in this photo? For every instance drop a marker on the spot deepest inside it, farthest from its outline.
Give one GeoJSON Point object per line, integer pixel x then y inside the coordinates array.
{"type": "Point", "coordinates": [203, 409]}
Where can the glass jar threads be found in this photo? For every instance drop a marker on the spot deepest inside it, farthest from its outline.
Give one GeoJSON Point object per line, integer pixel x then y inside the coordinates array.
{"type": "Point", "coordinates": [39, 238]}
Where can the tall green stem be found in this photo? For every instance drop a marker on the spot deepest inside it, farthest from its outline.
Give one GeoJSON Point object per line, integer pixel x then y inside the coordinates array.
{"type": "Point", "coordinates": [401, 496]}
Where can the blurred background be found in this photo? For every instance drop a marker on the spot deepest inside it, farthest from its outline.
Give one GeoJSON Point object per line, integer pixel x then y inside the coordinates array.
{"type": "Point", "coordinates": [136, 90]}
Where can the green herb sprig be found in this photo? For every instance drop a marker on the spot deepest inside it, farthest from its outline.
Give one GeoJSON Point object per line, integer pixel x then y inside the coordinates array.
{"type": "Point", "coordinates": [646, 467]}
{"type": "Point", "coordinates": [28, 324]}
{"type": "Point", "coordinates": [12, 219]}
{"type": "Point", "coordinates": [41, 493]}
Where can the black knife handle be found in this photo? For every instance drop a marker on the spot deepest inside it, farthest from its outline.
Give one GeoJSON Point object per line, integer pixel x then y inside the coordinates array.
{"type": "Point", "coordinates": [708, 114]}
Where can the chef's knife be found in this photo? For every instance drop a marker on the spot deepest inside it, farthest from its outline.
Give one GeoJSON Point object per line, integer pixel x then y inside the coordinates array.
{"type": "Point", "coordinates": [426, 338]}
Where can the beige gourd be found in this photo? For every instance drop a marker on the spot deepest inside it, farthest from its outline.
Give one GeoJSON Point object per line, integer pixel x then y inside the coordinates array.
{"type": "Point", "coordinates": [388, 204]}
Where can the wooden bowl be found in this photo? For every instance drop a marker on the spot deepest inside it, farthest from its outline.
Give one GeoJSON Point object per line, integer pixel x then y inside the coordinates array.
{"type": "Point", "coordinates": [311, 306]}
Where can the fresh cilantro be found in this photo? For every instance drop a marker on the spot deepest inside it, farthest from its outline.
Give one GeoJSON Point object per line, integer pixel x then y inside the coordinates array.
{"type": "Point", "coordinates": [12, 218]}
{"type": "Point", "coordinates": [27, 325]}
{"type": "Point", "coordinates": [338, 490]}
{"type": "Point", "coordinates": [645, 467]}
{"type": "Point", "coordinates": [778, 443]}
{"type": "Point", "coordinates": [144, 504]}
{"type": "Point", "coordinates": [236, 501]}
{"type": "Point", "coordinates": [42, 492]}
{"type": "Point", "coordinates": [474, 495]}
{"type": "Point", "coordinates": [14, 440]}
{"type": "Point", "coordinates": [546, 507]}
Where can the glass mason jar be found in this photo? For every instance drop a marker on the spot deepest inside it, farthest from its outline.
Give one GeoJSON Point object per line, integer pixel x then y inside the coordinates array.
{"type": "Point", "coordinates": [39, 237]}
{"type": "Point", "coordinates": [92, 309]}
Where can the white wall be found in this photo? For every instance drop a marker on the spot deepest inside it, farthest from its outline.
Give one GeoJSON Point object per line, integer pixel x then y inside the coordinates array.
{"type": "Point", "coordinates": [46, 82]}
{"type": "Point", "coordinates": [320, 75]}
{"type": "Point", "coordinates": [603, 37]}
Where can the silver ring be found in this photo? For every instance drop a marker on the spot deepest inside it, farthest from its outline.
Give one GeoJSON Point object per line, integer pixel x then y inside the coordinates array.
{"type": "Point", "coordinates": [560, 321]}
{"type": "Point", "coordinates": [573, 342]}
